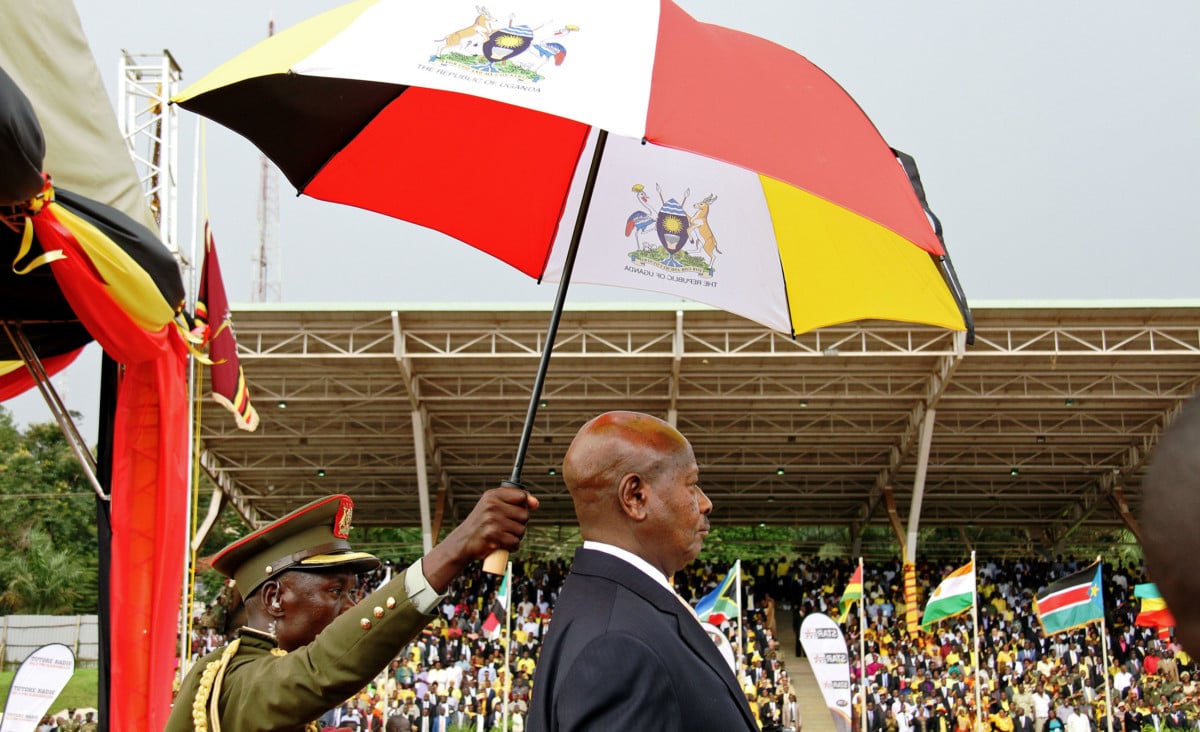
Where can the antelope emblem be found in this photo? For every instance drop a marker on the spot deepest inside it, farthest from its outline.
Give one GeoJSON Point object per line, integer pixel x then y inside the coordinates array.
{"type": "Point", "coordinates": [700, 233]}
{"type": "Point", "coordinates": [464, 37]}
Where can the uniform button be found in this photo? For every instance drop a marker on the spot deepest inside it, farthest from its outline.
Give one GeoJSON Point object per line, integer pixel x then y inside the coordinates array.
{"type": "Point", "coordinates": [365, 623]}
{"type": "Point", "coordinates": [378, 612]}
{"type": "Point", "coordinates": [391, 603]}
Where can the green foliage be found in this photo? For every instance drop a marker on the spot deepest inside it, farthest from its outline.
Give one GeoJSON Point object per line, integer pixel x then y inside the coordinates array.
{"type": "Point", "coordinates": [42, 580]}
{"type": "Point", "coordinates": [47, 523]}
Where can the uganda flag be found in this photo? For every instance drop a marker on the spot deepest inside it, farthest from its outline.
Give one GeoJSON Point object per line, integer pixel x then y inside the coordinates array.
{"type": "Point", "coordinates": [229, 387]}
{"type": "Point", "coordinates": [1071, 602]}
{"type": "Point", "coordinates": [853, 594]}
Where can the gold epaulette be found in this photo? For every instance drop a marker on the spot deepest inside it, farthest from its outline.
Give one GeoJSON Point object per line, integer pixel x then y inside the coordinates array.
{"type": "Point", "coordinates": [209, 692]}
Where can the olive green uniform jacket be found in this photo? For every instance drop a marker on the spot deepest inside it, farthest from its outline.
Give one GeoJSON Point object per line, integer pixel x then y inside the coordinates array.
{"type": "Point", "coordinates": [264, 688]}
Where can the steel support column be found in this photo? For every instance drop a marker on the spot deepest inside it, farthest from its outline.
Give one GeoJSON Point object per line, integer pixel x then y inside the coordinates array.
{"type": "Point", "coordinates": [914, 508]}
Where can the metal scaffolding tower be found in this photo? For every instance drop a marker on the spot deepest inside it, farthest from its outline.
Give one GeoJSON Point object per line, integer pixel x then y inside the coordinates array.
{"type": "Point", "coordinates": [150, 126]}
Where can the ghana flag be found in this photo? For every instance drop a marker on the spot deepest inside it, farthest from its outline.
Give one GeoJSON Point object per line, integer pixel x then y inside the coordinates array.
{"type": "Point", "coordinates": [1071, 602]}
{"type": "Point", "coordinates": [853, 594]}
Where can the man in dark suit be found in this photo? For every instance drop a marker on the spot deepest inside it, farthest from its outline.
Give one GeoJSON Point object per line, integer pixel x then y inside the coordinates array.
{"type": "Point", "coordinates": [1022, 722]}
{"type": "Point", "coordinates": [874, 717]}
{"type": "Point", "coordinates": [624, 651]}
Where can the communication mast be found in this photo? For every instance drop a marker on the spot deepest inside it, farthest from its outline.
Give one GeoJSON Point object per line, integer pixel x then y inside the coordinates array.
{"type": "Point", "coordinates": [268, 262]}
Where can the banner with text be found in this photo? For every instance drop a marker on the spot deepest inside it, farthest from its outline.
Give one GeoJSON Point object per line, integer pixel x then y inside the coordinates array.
{"type": "Point", "coordinates": [825, 647]}
{"type": "Point", "coordinates": [37, 683]}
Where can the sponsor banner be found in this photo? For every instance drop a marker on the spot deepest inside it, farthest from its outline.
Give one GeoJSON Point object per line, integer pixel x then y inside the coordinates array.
{"type": "Point", "coordinates": [37, 683]}
{"type": "Point", "coordinates": [825, 647]}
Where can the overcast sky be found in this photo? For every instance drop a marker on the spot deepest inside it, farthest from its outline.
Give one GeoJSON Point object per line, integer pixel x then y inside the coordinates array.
{"type": "Point", "coordinates": [1059, 143]}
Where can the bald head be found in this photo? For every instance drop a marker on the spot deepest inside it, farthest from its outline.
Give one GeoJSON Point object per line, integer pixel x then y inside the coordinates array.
{"type": "Point", "coordinates": [1170, 515]}
{"type": "Point", "coordinates": [635, 484]}
{"type": "Point", "coordinates": [616, 443]}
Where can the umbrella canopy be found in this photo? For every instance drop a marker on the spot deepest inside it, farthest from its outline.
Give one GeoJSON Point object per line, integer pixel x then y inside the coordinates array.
{"type": "Point", "coordinates": [738, 173]}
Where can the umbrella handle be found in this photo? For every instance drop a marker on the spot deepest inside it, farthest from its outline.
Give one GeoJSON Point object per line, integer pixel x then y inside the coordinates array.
{"type": "Point", "coordinates": [497, 562]}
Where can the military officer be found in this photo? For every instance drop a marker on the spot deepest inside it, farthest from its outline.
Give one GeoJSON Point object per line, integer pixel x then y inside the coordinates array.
{"type": "Point", "coordinates": [305, 647]}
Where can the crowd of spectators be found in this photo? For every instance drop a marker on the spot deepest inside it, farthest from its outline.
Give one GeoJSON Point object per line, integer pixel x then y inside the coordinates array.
{"type": "Point", "coordinates": [1028, 682]}
{"type": "Point", "coordinates": [455, 676]}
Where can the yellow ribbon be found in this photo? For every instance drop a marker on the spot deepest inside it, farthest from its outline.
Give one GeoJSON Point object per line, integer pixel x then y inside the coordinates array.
{"type": "Point", "coordinates": [35, 205]}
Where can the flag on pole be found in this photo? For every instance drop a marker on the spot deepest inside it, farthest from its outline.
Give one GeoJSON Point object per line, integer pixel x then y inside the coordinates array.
{"type": "Point", "coordinates": [721, 604]}
{"type": "Point", "coordinates": [853, 594]}
{"type": "Point", "coordinates": [1154, 612]}
{"type": "Point", "coordinates": [955, 595]}
{"type": "Point", "coordinates": [491, 625]}
{"type": "Point", "coordinates": [214, 321]}
{"type": "Point", "coordinates": [1071, 602]}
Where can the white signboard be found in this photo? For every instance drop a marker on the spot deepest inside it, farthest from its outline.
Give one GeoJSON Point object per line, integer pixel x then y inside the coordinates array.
{"type": "Point", "coordinates": [825, 647]}
{"type": "Point", "coordinates": [36, 685]}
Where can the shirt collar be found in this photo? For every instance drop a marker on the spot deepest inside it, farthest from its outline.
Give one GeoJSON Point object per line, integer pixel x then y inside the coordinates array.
{"type": "Point", "coordinates": [633, 559]}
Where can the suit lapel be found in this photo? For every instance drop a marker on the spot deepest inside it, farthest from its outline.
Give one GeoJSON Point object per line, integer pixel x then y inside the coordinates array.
{"type": "Point", "coordinates": [605, 565]}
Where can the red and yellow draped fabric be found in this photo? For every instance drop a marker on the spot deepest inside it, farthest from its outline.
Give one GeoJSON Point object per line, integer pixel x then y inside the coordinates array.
{"type": "Point", "coordinates": [15, 378]}
{"type": "Point", "coordinates": [229, 388]}
{"type": "Point", "coordinates": [131, 313]}
{"type": "Point", "coordinates": [796, 213]}
{"type": "Point", "coordinates": [81, 270]}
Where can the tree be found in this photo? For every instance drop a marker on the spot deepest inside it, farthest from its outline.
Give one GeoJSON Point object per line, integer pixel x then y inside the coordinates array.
{"type": "Point", "coordinates": [44, 498]}
{"type": "Point", "coordinates": [43, 580]}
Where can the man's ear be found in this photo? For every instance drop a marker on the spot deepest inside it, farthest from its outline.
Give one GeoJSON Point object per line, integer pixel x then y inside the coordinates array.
{"type": "Point", "coordinates": [271, 593]}
{"type": "Point", "coordinates": [633, 496]}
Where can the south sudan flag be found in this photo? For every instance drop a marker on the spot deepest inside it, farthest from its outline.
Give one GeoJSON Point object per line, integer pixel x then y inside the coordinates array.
{"type": "Point", "coordinates": [1071, 602]}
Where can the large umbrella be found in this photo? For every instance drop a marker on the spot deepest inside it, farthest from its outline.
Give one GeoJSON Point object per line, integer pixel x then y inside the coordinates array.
{"type": "Point", "coordinates": [723, 167]}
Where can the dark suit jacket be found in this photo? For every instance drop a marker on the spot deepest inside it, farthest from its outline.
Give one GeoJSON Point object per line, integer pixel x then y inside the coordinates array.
{"type": "Point", "coordinates": [622, 650]}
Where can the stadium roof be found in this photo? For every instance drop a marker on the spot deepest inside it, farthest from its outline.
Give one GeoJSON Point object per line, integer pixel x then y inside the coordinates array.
{"type": "Point", "coordinates": [1041, 428]}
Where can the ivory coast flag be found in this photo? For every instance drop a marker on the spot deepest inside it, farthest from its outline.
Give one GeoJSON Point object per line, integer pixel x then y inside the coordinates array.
{"type": "Point", "coordinates": [953, 596]}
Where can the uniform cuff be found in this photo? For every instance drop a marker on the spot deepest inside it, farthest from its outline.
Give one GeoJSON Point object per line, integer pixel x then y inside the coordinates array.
{"type": "Point", "coordinates": [420, 593]}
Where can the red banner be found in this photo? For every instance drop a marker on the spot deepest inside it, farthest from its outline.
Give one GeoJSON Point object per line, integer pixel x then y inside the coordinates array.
{"type": "Point", "coordinates": [212, 314]}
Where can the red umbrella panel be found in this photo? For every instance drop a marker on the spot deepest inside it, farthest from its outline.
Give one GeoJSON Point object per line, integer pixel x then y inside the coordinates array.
{"type": "Point", "coordinates": [472, 120]}
{"type": "Point", "coordinates": [475, 121]}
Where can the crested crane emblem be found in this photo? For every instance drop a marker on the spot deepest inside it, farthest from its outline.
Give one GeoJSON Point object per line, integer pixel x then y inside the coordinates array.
{"type": "Point", "coordinates": [670, 238]}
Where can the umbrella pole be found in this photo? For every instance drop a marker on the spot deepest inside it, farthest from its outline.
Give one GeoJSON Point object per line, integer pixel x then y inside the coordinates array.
{"type": "Point", "coordinates": [496, 562]}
